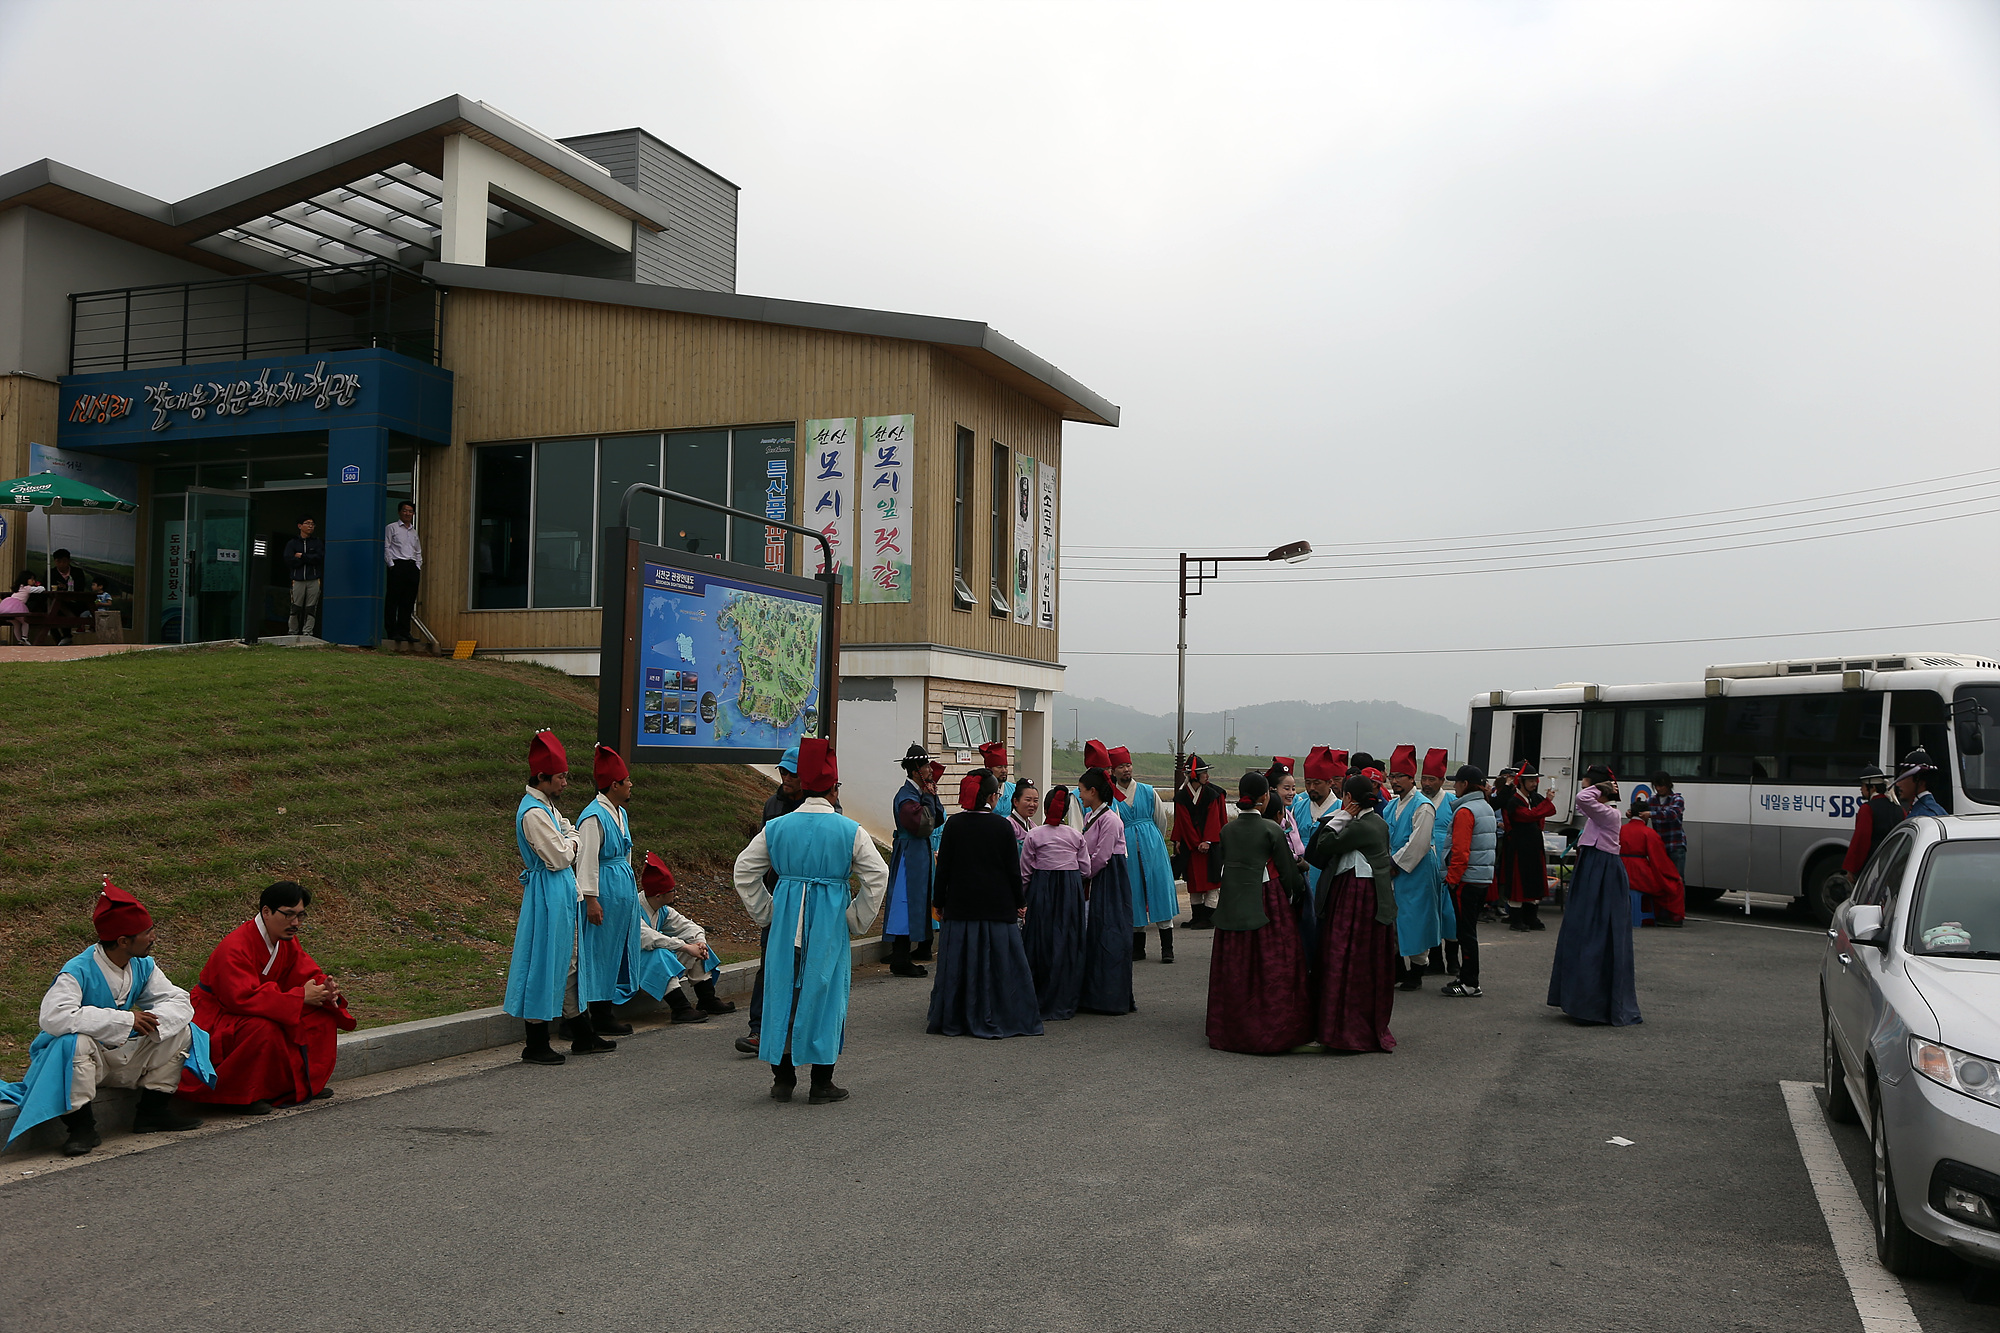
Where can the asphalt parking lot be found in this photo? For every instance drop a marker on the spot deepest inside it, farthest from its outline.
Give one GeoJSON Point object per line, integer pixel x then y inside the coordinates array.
{"type": "Point", "coordinates": [1114, 1174]}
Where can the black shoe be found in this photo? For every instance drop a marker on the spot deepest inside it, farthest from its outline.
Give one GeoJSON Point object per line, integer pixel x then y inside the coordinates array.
{"type": "Point", "coordinates": [603, 1020]}
{"type": "Point", "coordinates": [823, 1093]}
{"type": "Point", "coordinates": [584, 1039]}
{"type": "Point", "coordinates": [537, 1051]}
{"type": "Point", "coordinates": [1414, 983]}
{"type": "Point", "coordinates": [899, 959]}
{"type": "Point", "coordinates": [922, 952]}
{"type": "Point", "coordinates": [781, 1090]}
{"type": "Point", "coordinates": [1458, 990]}
{"type": "Point", "coordinates": [1538, 924]}
{"type": "Point", "coordinates": [747, 1045]}
{"type": "Point", "coordinates": [908, 970]}
{"type": "Point", "coordinates": [683, 1011]}
{"type": "Point", "coordinates": [156, 1114]}
{"type": "Point", "coordinates": [1166, 944]}
{"type": "Point", "coordinates": [1521, 926]}
{"type": "Point", "coordinates": [322, 1094]}
{"type": "Point", "coordinates": [83, 1135]}
{"type": "Point", "coordinates": [259, 1107]}
{"type": "Point", "coordinates": [706, 1001]}
{"type": "Point", "coordinates": [1138, 946]}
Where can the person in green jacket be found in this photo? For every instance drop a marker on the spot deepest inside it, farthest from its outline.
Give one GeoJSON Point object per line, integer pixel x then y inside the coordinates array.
{"type": "Point", "coordinates": [1357, 923]}
{"type": "Point", "coordinates": [1258, 1003]}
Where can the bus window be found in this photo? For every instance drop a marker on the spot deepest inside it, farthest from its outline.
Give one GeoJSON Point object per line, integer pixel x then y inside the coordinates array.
{"type": "Point", "coordinates": [1480, 742]}
{"type": "Point", "coordinates": [1742, 739]}
{"type": "Point", "coordinates": [1527, 748]}
{"type": "Point", "coordinates": [1917, 718]}
{"type": "Point", "coordinates": [1977, 708]}
{"type": "Point", "coordinates": [1639, 740]}
{"type": "Point", "coordinates": [1828, 738]}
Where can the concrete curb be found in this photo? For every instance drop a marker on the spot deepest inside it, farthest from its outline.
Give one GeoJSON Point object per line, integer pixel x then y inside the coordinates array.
{"type": "Point", "coordinates": [378, 1050]}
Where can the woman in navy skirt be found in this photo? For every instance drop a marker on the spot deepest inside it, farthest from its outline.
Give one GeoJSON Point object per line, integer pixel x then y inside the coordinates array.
{"type": "Point", "coordinates": [1052, 859]}
{"type": "Point", "coordinates": [1107, 927]}
{"type": "Point", "coordinates": [1592, 980]}
{"type": "Point", "coordinates": [983, 987]}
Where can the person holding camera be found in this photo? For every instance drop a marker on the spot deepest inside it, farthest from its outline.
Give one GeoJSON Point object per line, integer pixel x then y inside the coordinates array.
{"type": "Point", "coordinates": [1591, 979]}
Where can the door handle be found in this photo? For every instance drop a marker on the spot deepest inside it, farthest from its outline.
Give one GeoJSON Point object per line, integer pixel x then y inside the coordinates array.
{"type": "Point", "coordinates": [1845, 958]}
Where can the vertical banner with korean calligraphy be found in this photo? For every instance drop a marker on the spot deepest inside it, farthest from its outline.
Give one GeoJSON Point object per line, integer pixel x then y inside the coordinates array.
{"type": "Point", "coordinates": [829, 495]}
{"type": "Point", "coordinates": [1045, 530]}
{"type": "Point", "coordinates": [883, 527]}
{"type": "Point", "coordinates": [1025, 576]}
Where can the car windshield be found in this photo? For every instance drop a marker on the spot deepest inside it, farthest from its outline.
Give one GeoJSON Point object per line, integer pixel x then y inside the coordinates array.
{"type": "Point", "coordinates": [1958, 903]}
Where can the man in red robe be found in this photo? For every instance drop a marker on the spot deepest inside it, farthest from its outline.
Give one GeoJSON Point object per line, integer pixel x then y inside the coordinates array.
{"type": "Point", "coordinates": [270, 1011]}
{"type": "Point", "coordinates": [1200, 811]}
{"type": "Point", "coordinates": [1651, 870]}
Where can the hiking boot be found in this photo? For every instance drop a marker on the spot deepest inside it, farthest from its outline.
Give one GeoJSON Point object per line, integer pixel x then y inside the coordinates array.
{"type": "Point", "coordinates": [823, 1093]}
{"type": "Point", "coordinates": [747, 1045]}
{"type": "Point", "coordinates": [1459, 990]}
{"type": "Point", "coordinates": [156, 1114]}
{"type": "Point", "coordinates": [83, 1135]}
{"type": "Point", "coordinates": [782, 1089]}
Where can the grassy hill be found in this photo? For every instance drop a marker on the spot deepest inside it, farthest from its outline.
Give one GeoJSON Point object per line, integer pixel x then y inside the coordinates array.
{"type": "Point", "coordinates": [386, 785]}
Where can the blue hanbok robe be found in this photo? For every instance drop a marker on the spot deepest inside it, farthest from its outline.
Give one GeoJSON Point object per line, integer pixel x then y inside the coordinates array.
{"type": "Point", "coordinates": [545, 936]}
{"type": "Point", "coordinates": [1424, 918]}
{"type": "Point", "coordinates": [1003, 804]}
{"type": "Point", "coordinates": [607, 957]}
{"type": "Point", "coordinates": [43, 1094]}
{"type": "Point", "coordinates": [657, 970]}
{"type": "Point", "coordinates": [912, 860]}
{"type": "Point", "coordinates": [807, 959]}
{"type": "Point", "coordinates": [1147, 864]}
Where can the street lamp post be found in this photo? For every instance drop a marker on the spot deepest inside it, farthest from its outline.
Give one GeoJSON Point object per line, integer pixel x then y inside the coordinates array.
{"type": "Point", "coordinates": [1207, 567]}
{"type": "Point", "coordinates": [1073, 725]}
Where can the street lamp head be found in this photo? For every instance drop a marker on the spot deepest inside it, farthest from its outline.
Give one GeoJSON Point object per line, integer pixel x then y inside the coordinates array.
{"type": "Point", "coordinates": [1292, 553]}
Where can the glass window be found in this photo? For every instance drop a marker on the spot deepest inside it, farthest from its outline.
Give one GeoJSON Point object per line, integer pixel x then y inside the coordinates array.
{"type": "Point", "coordinates": [282, 474]}
{"type": "Point", "coordinates": [1958, 910]}
{"type": "Point", "coordinates": [961, 522]}
{"type": "Point", "coordinates": [697, 464]}
{"type": "Point", "coordinates": [1976, 709]}
{"type": "Point", "coordinates": [565, 521]}
{"type": "Point", "coordinates": [1680, 729]}
{"type": "Point", "coordinates": [763, 458]}
{"type": "Point", "coordinates": [621, 462]}
{"type": "Point", "coordinates": [1002, 529]}
{"type": "Point", "coordinates": [502, 484]}
{"type": "Point", "coordinates": [1600, 729]}
{"type": "Point", "coordinates": [970, 728]}
{"type": "Point", "coordinates": [233, 476]}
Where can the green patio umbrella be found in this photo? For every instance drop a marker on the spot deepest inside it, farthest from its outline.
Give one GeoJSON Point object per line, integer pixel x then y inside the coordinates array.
{"type": "Point", "coordinates": [53, 493]}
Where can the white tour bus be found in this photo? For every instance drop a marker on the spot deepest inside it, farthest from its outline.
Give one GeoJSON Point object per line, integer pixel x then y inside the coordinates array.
{"type": "Point", "coordinates": [1767, 754]}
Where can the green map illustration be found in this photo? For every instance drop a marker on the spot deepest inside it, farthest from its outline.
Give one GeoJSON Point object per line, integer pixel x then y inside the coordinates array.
{"type": "Point", "coordinates": [775, 649]}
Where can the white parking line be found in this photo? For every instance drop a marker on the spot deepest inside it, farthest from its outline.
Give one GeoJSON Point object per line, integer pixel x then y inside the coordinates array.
{"type": "Point", "coordinates": [1878, 1296]}
{"type": "Point", "coordinates": [1754, 925]}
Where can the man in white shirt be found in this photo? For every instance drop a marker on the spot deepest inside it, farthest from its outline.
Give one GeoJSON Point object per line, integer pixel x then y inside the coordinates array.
{"type": "Point", "coordinates": [405, 557]}
{"type": "Point", "coordinates": [111, 1019]}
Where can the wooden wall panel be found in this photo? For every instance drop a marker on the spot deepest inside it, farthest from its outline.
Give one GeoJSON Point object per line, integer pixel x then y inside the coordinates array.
{"type": "Point", "coordinates": [530, 367]}
{"type": "Point", "coordinates": [29, 407]}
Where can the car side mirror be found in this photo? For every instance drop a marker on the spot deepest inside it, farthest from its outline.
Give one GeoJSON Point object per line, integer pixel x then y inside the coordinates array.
{"type": "Point", "coordinates": [1864, 925]}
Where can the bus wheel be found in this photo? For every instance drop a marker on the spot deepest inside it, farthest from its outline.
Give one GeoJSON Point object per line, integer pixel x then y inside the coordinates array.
{"type": "Point", "coordinates": [1821, 897]}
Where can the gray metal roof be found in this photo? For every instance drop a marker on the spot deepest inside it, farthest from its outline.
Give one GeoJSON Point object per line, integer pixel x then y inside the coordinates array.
{"type": "Point", "coordinates": [969, 340]}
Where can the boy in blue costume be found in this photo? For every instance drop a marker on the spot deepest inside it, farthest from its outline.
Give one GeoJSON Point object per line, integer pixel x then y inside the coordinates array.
{"type": "Point", "coordinates": [675, 950]}
{"type": "Point", "coordinates": [815, 851]}
{"type": "Point", "coordinates": [1424, 919]}
{"type": "Point", "coordinates": [541, 974]}
{"type": "Point", "coordinates": [111, 1019]}
{"type": "Point", "coordinates": [606, 960]}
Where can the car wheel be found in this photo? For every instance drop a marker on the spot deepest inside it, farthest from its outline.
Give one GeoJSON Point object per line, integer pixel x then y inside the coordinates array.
{"type": "Point", "coordinates": [1840, 1107]}
{"type": "Point", "coordinates": [1901, 1250]}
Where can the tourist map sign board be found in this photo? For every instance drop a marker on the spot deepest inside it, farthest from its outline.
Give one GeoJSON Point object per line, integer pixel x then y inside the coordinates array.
{"type": "Point", "coordinates": [720, 662]}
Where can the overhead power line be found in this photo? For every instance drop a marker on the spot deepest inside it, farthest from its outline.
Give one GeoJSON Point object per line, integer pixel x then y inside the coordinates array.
{"type": "Point", "coordinates": [1606, 528]}
{"type": "Point", "coordinates": [1543, 647]}
{"type": "Point", "coordinates": [1556, 564]}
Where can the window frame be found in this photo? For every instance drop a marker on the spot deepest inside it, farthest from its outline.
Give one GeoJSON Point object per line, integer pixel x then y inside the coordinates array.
{"type": "Point", "coordinates": [1000, 539]}
{"type": "Point", "coordinates": [961, 517]}
{"type": "Point", "coordinates": [960, 712]}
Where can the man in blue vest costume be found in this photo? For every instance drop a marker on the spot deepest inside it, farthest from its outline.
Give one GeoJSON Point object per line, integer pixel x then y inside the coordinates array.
{"type": "Point", "coordinates": [993, 756]}
{"type": "Point", "coordinates": [541, 974]}
{"type": "Point", "coordinates": [1472, 854]}
{"type": "Point", "coordinates": [1423, 917]}
{"type": "Point", "coordinates": [815, 852]}
{"type": "Point", "coordinates": [1154, 899]}
{"type": "Point", "coordinates": [111, 1019]}
{"type": "Point", "coordinates": [1430, 781]}
{"type": "Point", "coordinates": [606, 958]}
{"type": "Point", "coordinates": [918, 818]}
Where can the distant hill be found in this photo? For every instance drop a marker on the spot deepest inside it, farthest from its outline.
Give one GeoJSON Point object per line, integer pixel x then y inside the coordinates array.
{"type": "Point", "coordinates": [1290, 726]}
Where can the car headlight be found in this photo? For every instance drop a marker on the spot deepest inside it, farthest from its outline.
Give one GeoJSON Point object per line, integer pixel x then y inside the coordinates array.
{"type": "Point", "coordinates": [1972, 1075]}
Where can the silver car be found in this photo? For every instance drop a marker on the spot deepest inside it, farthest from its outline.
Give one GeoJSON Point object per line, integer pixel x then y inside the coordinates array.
{"type": "Point", "coordinates": [1910, 999]}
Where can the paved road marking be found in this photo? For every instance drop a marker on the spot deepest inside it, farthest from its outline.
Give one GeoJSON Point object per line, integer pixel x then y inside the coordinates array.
{"type": "Point", "coordinates": [1725, 921]}
{"type": "Point", "coordinates": [1878, 1296]}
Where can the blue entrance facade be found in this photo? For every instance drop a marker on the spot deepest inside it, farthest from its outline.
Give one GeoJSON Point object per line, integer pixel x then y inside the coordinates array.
{"type": "Point", "coordinates": [362, 404]}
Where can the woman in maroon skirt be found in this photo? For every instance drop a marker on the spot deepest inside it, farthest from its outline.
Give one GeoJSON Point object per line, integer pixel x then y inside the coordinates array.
{"type": "Point", "coordinates": [1257, 998]}
{"type": "Point", "coordinates": [1357, 923]}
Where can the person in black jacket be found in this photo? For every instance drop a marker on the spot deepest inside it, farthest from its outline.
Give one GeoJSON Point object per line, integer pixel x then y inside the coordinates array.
{"type": "Point", "coordinates": [983, 986]}
{"type": "Point", "coordinates": [304, 554]}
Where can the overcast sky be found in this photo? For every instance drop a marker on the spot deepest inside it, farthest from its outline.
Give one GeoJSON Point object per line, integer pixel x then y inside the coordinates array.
{"type": "Point", "coordinates": [1377, 276]}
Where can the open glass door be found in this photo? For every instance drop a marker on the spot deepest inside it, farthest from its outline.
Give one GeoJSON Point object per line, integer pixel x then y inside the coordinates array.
{"type": "Point", "coordinates": [218, 542]}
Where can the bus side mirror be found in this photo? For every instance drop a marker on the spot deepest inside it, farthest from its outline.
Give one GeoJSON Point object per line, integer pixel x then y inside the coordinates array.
{"type": "Point", "coordinates": [1971, 740]}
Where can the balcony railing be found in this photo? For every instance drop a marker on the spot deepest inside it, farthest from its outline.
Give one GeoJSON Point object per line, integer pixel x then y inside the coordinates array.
{"type": "Point", "coordinates": [294, 313]}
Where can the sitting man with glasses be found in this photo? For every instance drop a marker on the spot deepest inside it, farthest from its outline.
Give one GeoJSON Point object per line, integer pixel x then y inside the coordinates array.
{"type": "Point", "coordinates": [270, 1011]}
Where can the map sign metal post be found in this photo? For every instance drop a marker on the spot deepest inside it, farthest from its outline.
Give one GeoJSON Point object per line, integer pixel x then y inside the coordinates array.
{"type": "Point", "coordinates": [628, 565]}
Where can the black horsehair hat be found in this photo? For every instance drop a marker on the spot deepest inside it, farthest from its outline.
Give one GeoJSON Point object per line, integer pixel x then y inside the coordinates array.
{"type": "Point", "coordinates": [917, 754]}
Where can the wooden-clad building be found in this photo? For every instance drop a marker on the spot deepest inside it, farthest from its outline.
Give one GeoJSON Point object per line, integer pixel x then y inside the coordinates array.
{"type": "Point", "coordinates": [507, 331]}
